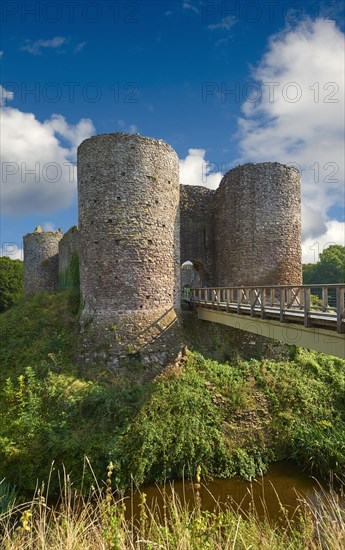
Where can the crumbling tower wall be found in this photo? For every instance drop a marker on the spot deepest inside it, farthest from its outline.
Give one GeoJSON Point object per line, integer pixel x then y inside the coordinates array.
{"type": "Point", "coordinates": [197, 231]}
{"type": "Point", "coordinates": [69, 259]}
{"type": "Point", "coordinates": [129, 238]}
{"type": "Point", "coordinates": [257, 217]}
{"type": "Point", "coordinates": [68, 246]}
{"type": "Point", "coordinates": [41, 260]}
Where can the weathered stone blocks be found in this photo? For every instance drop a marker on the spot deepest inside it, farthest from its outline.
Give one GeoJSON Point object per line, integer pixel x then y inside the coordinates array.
{"type": "Point", "coordinates": [257, 226]}
{"type": "Point", "coordinates": [197, 230]}
{"type": "Point", "coordinates": [128, 191]}
{"type": "Point", "coordinates": [41, 260]}
{"type": "Point", "coordinates": [68, 245]}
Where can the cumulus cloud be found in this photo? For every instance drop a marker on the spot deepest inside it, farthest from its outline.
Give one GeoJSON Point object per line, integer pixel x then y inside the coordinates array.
{"type": "Point", "coordinates": [38, 171]}
{"type": "Point", "coordinates": [73, 133]}
{"type": "Point", "coordinates": [12, 251]}
{"type": "Point", "coordinates": [195, 170]}
{"type": "Point", "coordinates": [334, 234]}
{"type": "Point", "coordinates": [294, 114]}
{"type": "Point", "coordinates": [5, 95]}
{"type": "Point", "coordinates": [36, 47]}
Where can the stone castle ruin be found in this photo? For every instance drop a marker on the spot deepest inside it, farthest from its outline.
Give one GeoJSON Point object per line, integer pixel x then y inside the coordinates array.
{"type": "Point", "coordinates": [137, 225]}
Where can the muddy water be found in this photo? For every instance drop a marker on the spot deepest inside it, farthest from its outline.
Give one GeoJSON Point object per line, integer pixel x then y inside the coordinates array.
{"type": "Point", "coordinates": [284, 484]}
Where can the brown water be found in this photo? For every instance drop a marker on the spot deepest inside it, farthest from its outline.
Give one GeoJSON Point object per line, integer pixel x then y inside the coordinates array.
{"type": "Point", "coordinates": [284, 484]}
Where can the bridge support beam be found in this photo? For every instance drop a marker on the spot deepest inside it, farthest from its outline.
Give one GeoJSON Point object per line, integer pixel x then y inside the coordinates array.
{"type": "Point", "coordinates": [318, 339]}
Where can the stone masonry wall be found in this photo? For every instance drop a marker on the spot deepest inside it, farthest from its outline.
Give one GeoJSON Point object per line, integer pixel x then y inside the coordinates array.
{"type": "Point", "coordinates": [197, 231]}
{"type": "Point", "coordinates": [68, 245]}
{"type": "Point", "coordinates": [257, 215]}
{"type": "Point", "coordinates": [137, 225]}
{"type": "Point", "coordinates": [128, 190]}
{"type": "Point", "coordinates": [41, 260]}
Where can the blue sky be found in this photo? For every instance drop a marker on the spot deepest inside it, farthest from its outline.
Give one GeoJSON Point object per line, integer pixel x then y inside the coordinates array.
{"type": "Point", "coordinates": [222, 81]}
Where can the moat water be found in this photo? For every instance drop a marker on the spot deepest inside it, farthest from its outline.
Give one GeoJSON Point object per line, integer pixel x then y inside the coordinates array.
{"type": "Point", "coordinates": [285, 484]}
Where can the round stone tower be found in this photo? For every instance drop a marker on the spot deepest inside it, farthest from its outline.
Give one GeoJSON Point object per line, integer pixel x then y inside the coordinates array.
{"type": "Point", "coordinates": [258, 226]}
{"type": "Point", "coordinates": [128, 192]}
{"type": "Point", "coordinates": [41, 260]}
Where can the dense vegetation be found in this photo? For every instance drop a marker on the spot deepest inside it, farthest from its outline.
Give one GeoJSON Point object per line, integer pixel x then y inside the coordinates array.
{"type": "Point", "coordinates": [11, 281]}
{"type": "Point", "coordinates": [232, 418]}
{"type": "Point", "coordinates": [329, 269]}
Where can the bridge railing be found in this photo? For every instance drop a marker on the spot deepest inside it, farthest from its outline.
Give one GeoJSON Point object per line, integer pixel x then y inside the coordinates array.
{"type": "Point", "coordinates": [308, 302]}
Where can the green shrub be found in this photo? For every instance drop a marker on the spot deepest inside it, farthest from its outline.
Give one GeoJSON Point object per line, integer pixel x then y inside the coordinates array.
{"type": "Point", "coordinates": [199, 412]}
{"type": "Point", "coordinates": [70, 278]}
{"type": "Point", "coordinates": [11, 282]}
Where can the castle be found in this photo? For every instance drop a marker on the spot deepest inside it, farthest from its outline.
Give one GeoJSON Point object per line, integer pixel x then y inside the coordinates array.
{"type": "Point", "coordinates": [137, 225]}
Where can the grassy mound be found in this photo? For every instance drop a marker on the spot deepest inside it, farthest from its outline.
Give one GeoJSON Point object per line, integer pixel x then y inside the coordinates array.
{"type": "Point", "coordinates": [232, 418]}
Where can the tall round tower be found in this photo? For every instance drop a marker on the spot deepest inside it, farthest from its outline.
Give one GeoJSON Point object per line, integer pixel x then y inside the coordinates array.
{"type": "Point", "coordinates": [258, 226]}
{"type": "Point", "coordinates": [128, 192]}
{"type": "Point", "coordinates": [41, 260]}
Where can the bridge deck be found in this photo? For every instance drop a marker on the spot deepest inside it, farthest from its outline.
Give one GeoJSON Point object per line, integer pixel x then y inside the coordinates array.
{"type": "Point", "coordinates": [288, 313]}
{"type": "Point", "coordinates": [322, 319]}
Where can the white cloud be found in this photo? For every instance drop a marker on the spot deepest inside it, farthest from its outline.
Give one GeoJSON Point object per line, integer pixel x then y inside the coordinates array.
{"type": "Point", "coordinates": [298, 117]}
{"type": "Point", "coordinates": [5, 95]}
{"type": "Point", "coordinates": [73, 133]}
{"type": "Point", "coordinates": [195, 170]}
{"type": "Point", "coordinates": [48, 226]}
{"type": "Point", "coordinates": [225, 24]}
{"type": "Point", "coordinates": [188, 5]}
{"type": "Point", "coordinates": [36, 47]}
{"type": "Point", "coordinates": [334, 234]}
{"type": "Point", "coordinates": [38, 172]}
{"type": "Point", "coordinates": [131, 128]}
{"type": "Point", "coordinates": [79, 47]}
{"type": "Point", "coordinates": [12, 251]}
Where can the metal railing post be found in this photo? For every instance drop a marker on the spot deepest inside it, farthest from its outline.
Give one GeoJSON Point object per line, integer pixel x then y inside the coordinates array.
{"type": "Point", "coordinates": [307, 307]}
{"type": "Point", "coordinates": [340, 309]}
{"type": "Point", "coordinates": [251, 295]}
{"type": "Point", "coordinates": [263, 300]}
{"type": "Point", "coordinates": [324, 298]}
{"type": "Point", "coordinates": [239, 296]}
{"type": "Point", "coordinates": [281, 304]}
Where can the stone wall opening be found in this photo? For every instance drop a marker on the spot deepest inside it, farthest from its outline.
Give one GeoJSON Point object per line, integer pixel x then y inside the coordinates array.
{"type": "Point", "coordinates": [194, 274]}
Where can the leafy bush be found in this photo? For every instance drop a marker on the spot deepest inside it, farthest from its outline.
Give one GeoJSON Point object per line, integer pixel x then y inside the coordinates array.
{"type": "Point", "coordinates": [58, 418]}
{"type": "Point", "coordinates": [11, 282]}
{"type": "Point", "coordinates": [307, 404]}
{"type": "Point", "coordinates": [232, 418]}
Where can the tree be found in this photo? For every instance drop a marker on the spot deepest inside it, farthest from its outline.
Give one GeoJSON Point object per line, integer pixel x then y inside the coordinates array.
{"type": "Point", "coordinates": [11, 282]}
{"type": "Point", "coordinates": [329, 269]}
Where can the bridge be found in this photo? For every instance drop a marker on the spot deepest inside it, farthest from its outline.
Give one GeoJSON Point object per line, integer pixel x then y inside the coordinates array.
{"type": "Point", "coordinates": [310, 316]}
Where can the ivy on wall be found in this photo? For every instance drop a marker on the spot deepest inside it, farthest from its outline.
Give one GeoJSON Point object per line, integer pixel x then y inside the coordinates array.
{"type": "Point", "coordinates": [70, 277]}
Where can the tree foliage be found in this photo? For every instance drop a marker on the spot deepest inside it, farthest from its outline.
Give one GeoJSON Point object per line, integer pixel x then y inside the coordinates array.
{"type": "Point", "coordinates": [11, 282]}
{"type": "Point", "coordinates": [329, 269]}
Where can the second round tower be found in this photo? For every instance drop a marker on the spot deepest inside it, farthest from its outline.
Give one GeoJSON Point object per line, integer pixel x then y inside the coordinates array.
{"type": "Point", "coordinates": [257, 218]}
